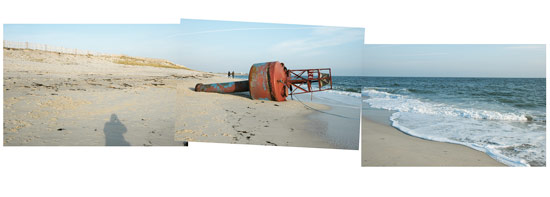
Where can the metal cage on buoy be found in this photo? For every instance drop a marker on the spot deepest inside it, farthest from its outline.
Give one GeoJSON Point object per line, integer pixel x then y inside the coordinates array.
{"type": "Point", "coordinates": [273, 81]}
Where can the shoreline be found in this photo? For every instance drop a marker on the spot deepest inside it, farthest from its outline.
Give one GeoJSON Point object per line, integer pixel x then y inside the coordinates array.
{"type": "Point", "coordinates": [342, 124]}
{"type": "Point", "coordinates": [384, 145]}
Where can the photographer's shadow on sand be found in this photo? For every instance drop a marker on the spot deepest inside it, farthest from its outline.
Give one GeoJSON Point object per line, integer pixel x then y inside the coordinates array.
{"type": "Point", "coordinates": [114, 130]}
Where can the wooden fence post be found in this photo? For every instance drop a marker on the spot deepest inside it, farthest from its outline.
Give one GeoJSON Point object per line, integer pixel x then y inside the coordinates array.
{"type": "Point", "coordinates": [44, 47]}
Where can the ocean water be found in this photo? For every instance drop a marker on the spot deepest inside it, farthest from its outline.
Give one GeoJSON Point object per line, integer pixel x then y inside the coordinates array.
{"type": "Point", "coordinates": [503, 117]}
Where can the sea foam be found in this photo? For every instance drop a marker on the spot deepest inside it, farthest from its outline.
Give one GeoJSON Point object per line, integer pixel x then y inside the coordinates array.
{"type": "Point", "coordinates": [384, 100]}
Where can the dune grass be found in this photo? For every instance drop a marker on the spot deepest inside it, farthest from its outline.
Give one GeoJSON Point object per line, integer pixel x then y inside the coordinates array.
{"type": "Point", "coordinates": [126, 60]}
{"type": "Point", "coordinates": [118, 59]}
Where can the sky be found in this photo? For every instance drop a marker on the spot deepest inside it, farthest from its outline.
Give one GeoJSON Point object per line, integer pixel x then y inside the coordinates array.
{"type": "Point", "coordinates": [137, 40]}
{"type": "Point", "coordinates": [455, 60]}
{"type": "Point", "coordinates": [220, 46]}
{"type": "Point", "coordinates": [212, 46]}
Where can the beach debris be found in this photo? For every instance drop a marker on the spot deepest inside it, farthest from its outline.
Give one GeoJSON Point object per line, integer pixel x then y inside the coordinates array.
{"type": "Point", "coordinates": [273, 81]}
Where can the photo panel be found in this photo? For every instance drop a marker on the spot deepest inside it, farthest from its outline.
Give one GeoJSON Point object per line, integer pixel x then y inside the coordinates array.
{"type": "Point", "coordinates": [90, 85]}
{"type": "Point", "coordinates": [454, 105]}
{"type": "Point", "coordinates": [269, 84]}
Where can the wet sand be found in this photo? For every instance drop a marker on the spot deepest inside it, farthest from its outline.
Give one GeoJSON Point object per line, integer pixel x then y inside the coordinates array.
{"type": "Point", "coordinates": [342, 122]}
{"type": "Point", "coordinates": [53, 99]}
{"type": "Point", "coordinates": [384, 145]}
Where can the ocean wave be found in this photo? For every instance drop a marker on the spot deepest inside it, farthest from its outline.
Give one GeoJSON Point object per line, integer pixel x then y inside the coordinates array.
{"type": "Point", "coordinates": [401, 103]}
{"type": "Point", "coordinates": [346, 93]}
{"type": "Point", "coordinates": [419, 91]}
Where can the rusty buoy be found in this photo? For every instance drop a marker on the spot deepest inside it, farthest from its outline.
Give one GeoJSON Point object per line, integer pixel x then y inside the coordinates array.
{"type": "Point", "coordinates": [228, 87]}
{"type": "Point", "coordinates": [272, 81]}
{"type": "Point", "coordinates": [267, 81]}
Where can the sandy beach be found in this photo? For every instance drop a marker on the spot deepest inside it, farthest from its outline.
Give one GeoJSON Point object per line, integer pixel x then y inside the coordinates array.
{"type": "Point", "coordinates": [235, 118]}
{"type": "Point", "coordinates": [383, 145]}
{"type": "Point", "coordinates": [64, 99]}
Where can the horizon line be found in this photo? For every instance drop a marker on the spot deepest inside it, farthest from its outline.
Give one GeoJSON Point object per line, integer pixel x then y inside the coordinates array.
{"type": "Point", "coordinates": [458, 77]}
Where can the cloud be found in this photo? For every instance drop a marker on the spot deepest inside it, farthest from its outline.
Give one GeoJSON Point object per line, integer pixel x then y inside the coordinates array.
{"type": "Point", "coordinates": [378, 46]}
{"type": "Point", "coordinates": [320, 37]}
{"type": "Point", "coordinates": [235, 29]}
{"type": "Point", "coordinates": [530, 46]}
{"type": "Point", "coordinates": [423, 54]}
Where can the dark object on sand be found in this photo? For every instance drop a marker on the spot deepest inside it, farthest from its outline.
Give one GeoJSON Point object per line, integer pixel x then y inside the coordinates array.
{"type": "Point", "coordinates": [114, 130]}
{"type": "Point", "coordinates": [272, 81]}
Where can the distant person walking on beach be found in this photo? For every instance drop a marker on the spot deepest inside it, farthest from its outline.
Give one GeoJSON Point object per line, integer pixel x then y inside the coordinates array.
{"type": "Point", "coordinates": [228, 74]}
{"type": "Point", "coordinates": [233, 74]}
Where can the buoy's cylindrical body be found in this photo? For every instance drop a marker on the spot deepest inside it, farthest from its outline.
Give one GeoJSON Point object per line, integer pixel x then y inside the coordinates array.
{"type": "Point", "coordinates": [268, 81]}
{"type": "Point", "coordinates": [229, 87]}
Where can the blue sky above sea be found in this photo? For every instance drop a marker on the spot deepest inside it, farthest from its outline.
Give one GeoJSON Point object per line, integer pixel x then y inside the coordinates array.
{"type": "Point", "coordinates": [455, 60]}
